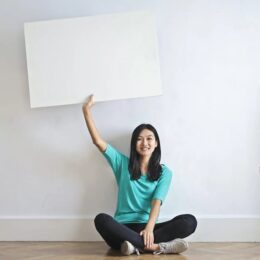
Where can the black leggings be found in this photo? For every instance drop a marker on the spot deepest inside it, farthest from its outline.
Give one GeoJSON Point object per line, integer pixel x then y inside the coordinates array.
{"type": "Point", "coordinates": [115, 233]}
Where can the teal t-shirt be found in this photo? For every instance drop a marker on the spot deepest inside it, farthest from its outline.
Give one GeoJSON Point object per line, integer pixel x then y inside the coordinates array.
{"type": "Point", "coordinates": [135, 196]}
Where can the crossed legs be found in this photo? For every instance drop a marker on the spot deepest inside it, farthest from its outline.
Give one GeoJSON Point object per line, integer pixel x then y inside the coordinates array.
{"type": "Point", "coordinates": [115, 233]}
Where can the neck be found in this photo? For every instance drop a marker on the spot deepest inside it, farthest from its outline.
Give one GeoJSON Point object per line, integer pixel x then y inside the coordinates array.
{"type": "Point", "coordinates": [144, 161]}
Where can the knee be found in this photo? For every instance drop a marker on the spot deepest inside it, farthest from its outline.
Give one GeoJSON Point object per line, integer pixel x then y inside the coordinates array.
{"type": "Point", "coordinates": [191, 223]}
{"type": "Point", "coordinates": [101, 219]}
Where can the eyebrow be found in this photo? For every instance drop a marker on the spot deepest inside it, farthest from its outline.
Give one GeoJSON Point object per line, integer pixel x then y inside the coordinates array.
{"type": "Point", "coordinates": [145, 136]}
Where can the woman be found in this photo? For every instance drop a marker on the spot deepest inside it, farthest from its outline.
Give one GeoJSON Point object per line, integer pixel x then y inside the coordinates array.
{"type": "Point", "coordinates": [142, 187]}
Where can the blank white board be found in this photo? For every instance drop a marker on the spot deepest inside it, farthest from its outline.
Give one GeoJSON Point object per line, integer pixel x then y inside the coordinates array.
{"type": "Point", "coordinates": [113, 56]}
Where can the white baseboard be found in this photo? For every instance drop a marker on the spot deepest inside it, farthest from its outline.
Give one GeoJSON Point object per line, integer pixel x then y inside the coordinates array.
{"type": "Point", "coordinates": [210, 229]}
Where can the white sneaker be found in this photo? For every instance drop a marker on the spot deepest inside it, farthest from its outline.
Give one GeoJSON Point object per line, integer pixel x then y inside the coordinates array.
{"type": "Point", "coordinates": [175, 246]}
{"type": "Point", "coordinates": [128, 249]}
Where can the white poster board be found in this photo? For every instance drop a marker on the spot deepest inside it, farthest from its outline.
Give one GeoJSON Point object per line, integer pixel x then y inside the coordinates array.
{"type": "Point", "coordinates": [112, 56]}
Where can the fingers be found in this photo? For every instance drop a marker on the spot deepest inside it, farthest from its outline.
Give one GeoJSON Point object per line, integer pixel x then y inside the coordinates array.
{"type": "Point", "coordinates": [90, 99]}
{"type": "Point", "coordinates": [148, 238]}
{"type": "Point", "coordinates": [89, 102]}
{"type": "Point", "coordinates": [144, 234]}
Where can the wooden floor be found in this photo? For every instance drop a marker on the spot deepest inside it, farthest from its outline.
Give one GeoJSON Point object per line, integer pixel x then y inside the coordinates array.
{"type": "Point", "coordinates": [99, 250]}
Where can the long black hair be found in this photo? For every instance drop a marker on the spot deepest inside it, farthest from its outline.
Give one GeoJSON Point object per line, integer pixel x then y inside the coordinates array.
{"type": "Point", "coordinates": [154, 166]}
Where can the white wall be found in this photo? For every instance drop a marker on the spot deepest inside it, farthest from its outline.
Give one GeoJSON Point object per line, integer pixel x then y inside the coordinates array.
{"type": "Point", "coordinates": [208, 119]}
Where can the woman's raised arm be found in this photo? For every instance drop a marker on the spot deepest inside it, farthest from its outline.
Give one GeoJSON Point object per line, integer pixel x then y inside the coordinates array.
{"type": "Point", "coordinates": [96, 138]}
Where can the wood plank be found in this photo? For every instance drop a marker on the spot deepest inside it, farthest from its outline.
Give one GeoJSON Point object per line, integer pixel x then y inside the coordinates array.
{"type": "Point", "coordinates": [99, 250]}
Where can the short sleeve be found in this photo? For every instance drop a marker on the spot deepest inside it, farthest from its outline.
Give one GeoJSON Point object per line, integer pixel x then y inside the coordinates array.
{"type": "Point", "coordinates": [163, 185]}
{"type": "Point", "coordinates": [115, 159]}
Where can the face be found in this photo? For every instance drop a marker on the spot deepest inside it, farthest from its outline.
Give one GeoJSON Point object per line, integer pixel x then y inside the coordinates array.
{"type": "Point", "coordinates": [146, 143]}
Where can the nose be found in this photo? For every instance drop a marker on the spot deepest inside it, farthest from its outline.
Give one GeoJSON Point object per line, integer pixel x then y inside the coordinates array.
{"type": "Point", "coordinates": [145, 142]}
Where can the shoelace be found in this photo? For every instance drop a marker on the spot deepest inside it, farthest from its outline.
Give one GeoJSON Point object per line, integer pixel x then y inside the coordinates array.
{"type": "Point", "coordinates": [137, 251]}
{"type": "Point", "coordinates": [161, 250]}
{"type": "Point", "coordinates": [158, 252]}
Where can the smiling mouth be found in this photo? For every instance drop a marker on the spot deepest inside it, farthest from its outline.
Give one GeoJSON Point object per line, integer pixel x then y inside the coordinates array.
{"type": "Point", "coordinates": [145, 149]}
